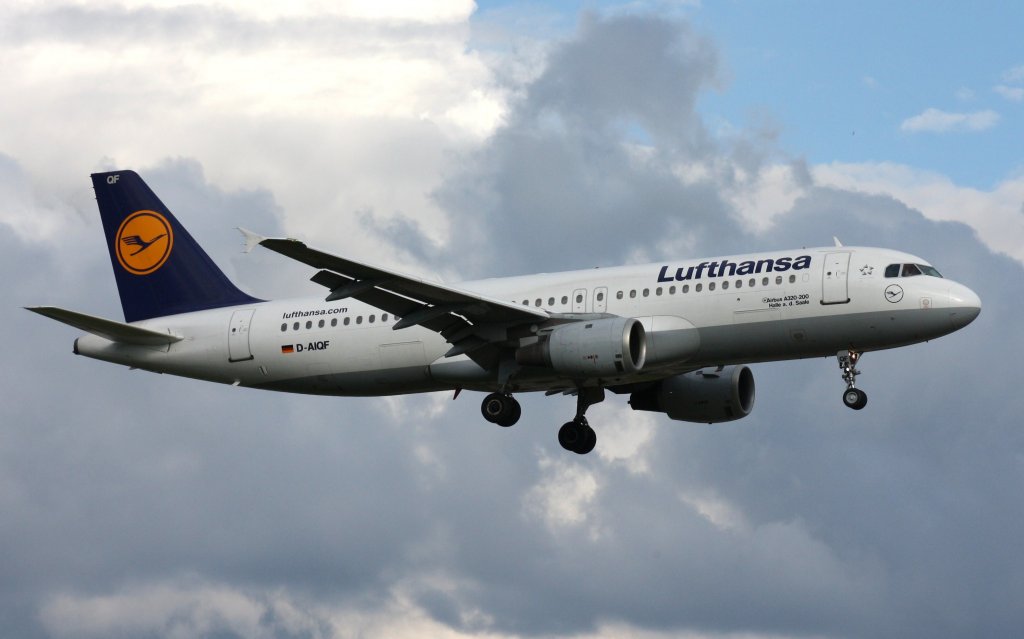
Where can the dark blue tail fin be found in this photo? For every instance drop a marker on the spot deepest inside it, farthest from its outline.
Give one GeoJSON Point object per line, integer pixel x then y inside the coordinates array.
{"type": "Point", "coordinates": [160, 269]}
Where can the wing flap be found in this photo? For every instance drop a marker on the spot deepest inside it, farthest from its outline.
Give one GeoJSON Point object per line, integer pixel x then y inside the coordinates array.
{"type": "Point", "coordinates": [107, 329]}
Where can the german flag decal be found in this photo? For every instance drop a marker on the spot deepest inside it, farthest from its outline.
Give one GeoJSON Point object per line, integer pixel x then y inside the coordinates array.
{"type": "Point", "coordinates": [288, 348]}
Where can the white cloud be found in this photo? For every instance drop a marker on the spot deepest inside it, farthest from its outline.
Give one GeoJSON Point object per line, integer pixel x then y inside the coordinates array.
{"type": "Point", "coordinates": [938, 121]}
{"type": "Point", "coordinates": [995, 215]}
{"type": "Point", "coordinates": [1015, 94]}
{"type": "Point", "coordinates": [965, 94]}
{"type": "Point", "coordinates": [563, 497]}
{"type": "Point", "coordinates": [337, 109]}
{"type": "Point", "coordinates": [1016, 74]}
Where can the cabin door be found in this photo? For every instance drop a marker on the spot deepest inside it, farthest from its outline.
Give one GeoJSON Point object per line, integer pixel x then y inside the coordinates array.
{"type": "Point", "coordinates": [238, 336]}
{"type": "Point", "coordinates": [834, 288]}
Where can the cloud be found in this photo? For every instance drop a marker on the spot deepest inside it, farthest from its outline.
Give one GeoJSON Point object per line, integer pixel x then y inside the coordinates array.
{"type": "Point", "coordinates": [578, 146]}
{"type": "Point", "coordinates": [994, 215]}
{"type": "Point", "coordinates": [937, 121]}
{"type": "Point", "coordinates": [1014, 94]}
{"type": "Point", "coordinates": [965, 94]}
{"type": "Point", "coordinates": [151, 505]}
{"type": "Point", "coordinates": [1014, 75]}
{"type": "Point", "coordinates": [337, 111]}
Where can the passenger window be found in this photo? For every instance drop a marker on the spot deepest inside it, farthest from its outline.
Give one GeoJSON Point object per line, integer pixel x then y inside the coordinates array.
{"type": "Point", "coordinates": [359, 319]}
{"type": "Point", "coordinates": [725, 285]}
{"type": "Point", "coordinates": [711, 286]}
{"type": "Point", "coordinates": [526, 302]}
{"type": "Point", "coordinates": [334, 321]}
{"type": "Point", "coordinates": [347, 320]}
{"type": "Point", "coordinates": [778, 279]}
{"type": "Point", "coordinates": [698, 288]}
{"type": "Point", "coordinates": [320, 324]}
{"type": "Point", "coordinates": [632, 294]}
{"type": "Point", "coordinates": [579, 299]}
{"type": "Point", "coordinates": [618, 295]}
{"type": "Point", "coordinates": [373, 318]}
{"type": "Point", "coordinates": [792, 279]}
{"type": "Point", "coordinates": [309, 324]}
{"type": "Point", "coordinates": [764, 281]}
{"type": "Point", "coordinates": [752, 283]}
{"type": "Point", "coordinates": [551, 301]}
{"type": "Point", "coordinates": [384, 317]}
{"type": "Point", "coordinates": [686, 288]}
{"type": "Point", "coordinates": [739, 283]}
{"type": "Point", "coordinates": [910, 270]}
{"type": "Point", "coordinates": [893, 270]}
{"type": "Point", "coordinates": [647, 292]}
{"type": "Point", "coordinates": [600, 297]}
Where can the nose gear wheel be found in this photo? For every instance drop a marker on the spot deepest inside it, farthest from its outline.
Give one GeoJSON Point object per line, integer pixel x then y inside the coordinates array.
{"type": "Point", "coordinates": [853, 397]}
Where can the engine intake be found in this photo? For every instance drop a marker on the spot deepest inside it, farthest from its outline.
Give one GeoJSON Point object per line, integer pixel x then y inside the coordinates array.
{"type": "Point", "coordinates": [600, 348]}
{"type": "Point", "coordinates": [708, 395]}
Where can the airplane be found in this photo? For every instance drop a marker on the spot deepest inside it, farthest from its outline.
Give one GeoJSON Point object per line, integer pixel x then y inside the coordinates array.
{"type": "Point", "coordinates": [676, 336]}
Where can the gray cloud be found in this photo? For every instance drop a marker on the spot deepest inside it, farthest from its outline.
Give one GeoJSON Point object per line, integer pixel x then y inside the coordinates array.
{"type": "Point", "coordinates": [121, 488]}
{"type": "Point", "coordinates": [566, 183]}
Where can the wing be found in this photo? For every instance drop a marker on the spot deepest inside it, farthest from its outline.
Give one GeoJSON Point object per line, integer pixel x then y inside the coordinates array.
{"type": "Point", "coordinates": [470, 322]}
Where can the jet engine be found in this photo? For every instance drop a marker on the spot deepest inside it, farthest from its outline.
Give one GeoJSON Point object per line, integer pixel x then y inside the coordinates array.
{"type": "Point", "coordinates": [709, 395]}
{"type": "Point", "coordinates": [599, 348]}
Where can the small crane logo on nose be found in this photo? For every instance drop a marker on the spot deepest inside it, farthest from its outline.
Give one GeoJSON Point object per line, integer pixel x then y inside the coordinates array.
{"type": "Point", "coordinates": [894, 293]}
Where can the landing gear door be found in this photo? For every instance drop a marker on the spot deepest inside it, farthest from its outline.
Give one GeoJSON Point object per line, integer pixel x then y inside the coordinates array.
{"type": "Point", "coordinates": [238, 336]}
{"type": "Point", "coordinates": [834, 279]}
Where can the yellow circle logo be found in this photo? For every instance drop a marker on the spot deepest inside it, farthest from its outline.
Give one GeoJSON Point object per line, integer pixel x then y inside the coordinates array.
{"type": "Point", "coordinates": [143, 242]}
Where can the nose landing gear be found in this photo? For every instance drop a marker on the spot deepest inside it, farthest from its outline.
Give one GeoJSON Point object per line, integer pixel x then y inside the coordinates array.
{"type": "Point", "coordinates": [853, 397]}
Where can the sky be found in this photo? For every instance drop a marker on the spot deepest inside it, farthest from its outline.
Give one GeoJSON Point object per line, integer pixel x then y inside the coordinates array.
{"type": "Point", "coordinates": [464, 141]}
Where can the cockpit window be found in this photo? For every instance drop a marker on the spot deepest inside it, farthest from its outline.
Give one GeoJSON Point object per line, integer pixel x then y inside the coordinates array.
{"type": "Point", "coordinates": [909, 270]}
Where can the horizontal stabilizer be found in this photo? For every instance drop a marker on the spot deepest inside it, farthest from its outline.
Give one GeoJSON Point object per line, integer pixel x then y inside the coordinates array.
{"type": "Point", "coordinates": [107, 329]}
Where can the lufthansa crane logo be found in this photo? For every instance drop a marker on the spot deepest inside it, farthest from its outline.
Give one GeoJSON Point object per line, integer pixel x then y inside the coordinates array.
{"type": "Point", "coordinates": [894, 293]}
{"type": "Point", "coordinates": [143, 242]}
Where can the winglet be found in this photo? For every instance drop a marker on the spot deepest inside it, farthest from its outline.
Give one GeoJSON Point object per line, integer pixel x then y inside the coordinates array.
{"type": "Point", "coordinates": [836, 240]}
{"type": "Point", "coordinates": [252, 240]}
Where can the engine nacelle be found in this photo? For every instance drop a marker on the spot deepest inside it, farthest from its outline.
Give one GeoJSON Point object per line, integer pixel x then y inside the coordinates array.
{"type": "Point", "coordinates": [709, 395]}
{"type": "Point", "coordinates": [600, 348]}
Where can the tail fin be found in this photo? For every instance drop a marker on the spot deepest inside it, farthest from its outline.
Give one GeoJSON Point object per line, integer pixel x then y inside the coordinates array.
{"type": "Point", "coordinates": [159, 268]}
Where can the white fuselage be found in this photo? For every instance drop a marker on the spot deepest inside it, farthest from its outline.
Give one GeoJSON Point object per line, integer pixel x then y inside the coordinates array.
{"type": "Point", "coordinates": [694, 316]}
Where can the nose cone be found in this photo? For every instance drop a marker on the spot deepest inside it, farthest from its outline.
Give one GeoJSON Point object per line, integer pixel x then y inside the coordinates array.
{"type": "Point", "coordinates": [964, 305]}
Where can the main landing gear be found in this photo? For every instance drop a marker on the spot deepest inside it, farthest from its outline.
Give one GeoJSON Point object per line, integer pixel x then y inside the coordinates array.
{"type": "Point", "coordinates": [576, 436]}
{"type": "Point", "coordinates": [501, 409]}
{"type": "Point", "coordinates": [853, 397]}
